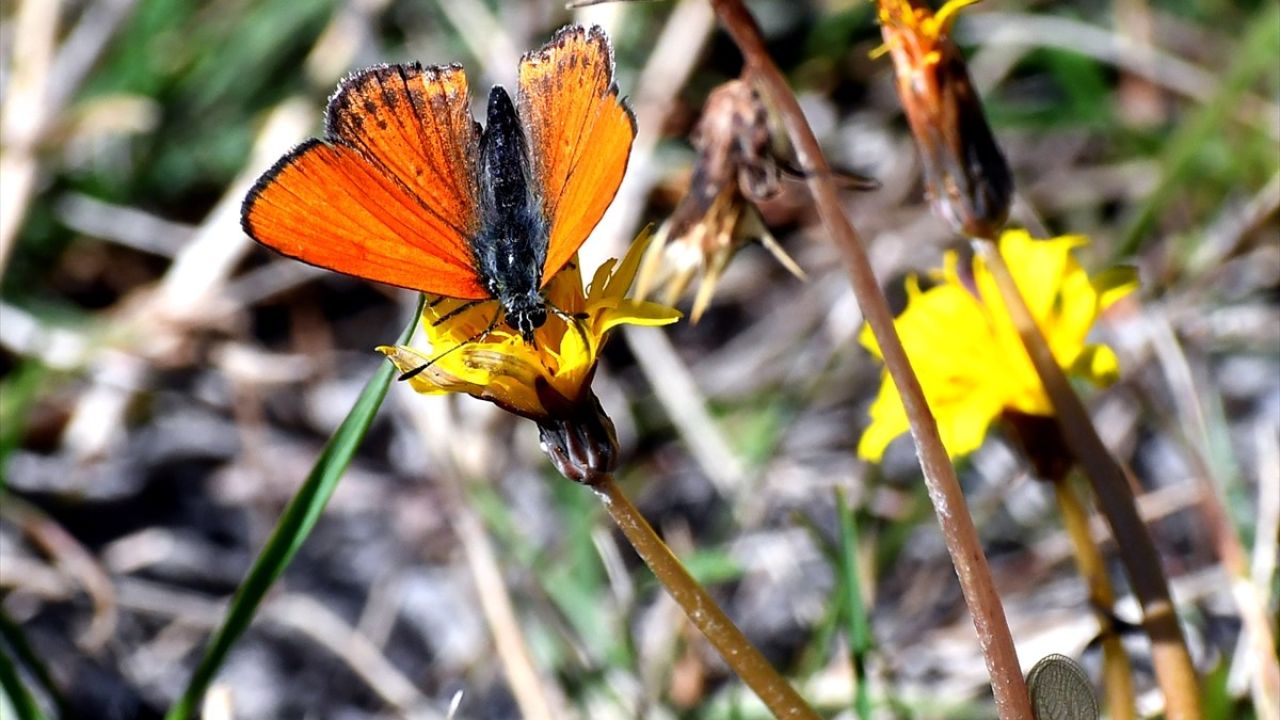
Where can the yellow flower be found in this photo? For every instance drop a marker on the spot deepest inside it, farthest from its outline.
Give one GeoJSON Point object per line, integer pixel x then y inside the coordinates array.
{"type": "Point", "coordinates": [967, 353]}
{"type": "Point", "coordinates": [543, 380]}
{"type": "Point", "coordinates": [916, 29]}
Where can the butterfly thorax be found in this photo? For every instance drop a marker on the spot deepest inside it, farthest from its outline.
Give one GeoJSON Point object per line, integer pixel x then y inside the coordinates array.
{"type": "Point", "coordinates": [511, 246]}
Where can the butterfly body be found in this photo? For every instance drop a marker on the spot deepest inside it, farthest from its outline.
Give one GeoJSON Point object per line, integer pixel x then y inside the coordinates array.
{"type": "Point", "coordinates": [407, 189]}
{"type": "Point", "coordinates": [510, 248]}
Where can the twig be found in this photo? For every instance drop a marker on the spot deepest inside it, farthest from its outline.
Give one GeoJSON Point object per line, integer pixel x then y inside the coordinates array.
{"type": "Point", "coordinates": [687, 407]}
{"type": "Point", "coordinates": [58, 347]}
{"type": "Point", "coordinates": [204, 265]}
{"type": "Point", "coordinates": [76, 561]}
{"type": "Point", "coordinates": [83, 45]}
{"type": "Point", "coordinates": [25, 112]}
{"type": "Point", "coordinates": [463, 450]}
{"type": "Point", "coordinates": [41, 86]}
{"type": "Point", "coordinates": [517, 664]}
{"type": "Point", "coordinates": [482, 32]}
{"type": "Point", "coordinates": [1172, 662]}
{"type": "Point", "coordinates": [1267, 527]}
{"type": "Point", "coordinates": [961, 536]}
{"type": "Point", "coordinates": [1266, 537]}
{"type": "Point", "coordinates": [123, 225]}
{"type": "Point", "coordinates": [1195, 435]}
{"type": "Point", "coordinates": [190, 291]}
{"type": "Point", "coordinates": [738, 652]}
{"type": "Point", "coordinates": [312, 618]}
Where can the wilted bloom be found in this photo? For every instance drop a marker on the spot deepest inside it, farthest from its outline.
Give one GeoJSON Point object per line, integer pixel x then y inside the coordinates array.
{"type": "Point", "coordinates": [740, 162]}
{"type": "Point", "coordinates": [967, 177]}
{"type": "Point", "coordinates": [967, 354]}
{"type": "Point", "coordinates": [548, 380]}
{"type": "Point", "coordinates": [734, 169]}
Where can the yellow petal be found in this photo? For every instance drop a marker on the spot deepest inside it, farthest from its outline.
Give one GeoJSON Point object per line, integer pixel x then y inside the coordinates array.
{"type": "Point", "coordinates": [1038, 267]}
{"type": "Point", "coordinates": [1098, 364]}
{"type": "Point", "coordinates": [1075, 309]}
{"type": "Point", "coordinates": [1114, 283]}
{"type": "Point", "coordinates": [946, 16]}
{"type": "Point", "coordinates": [963, 426]}
{"type": "Point", "coordinates": [619, 282]}
{"type": "Point", "coordinates": [432, 381]}
{"type": "Point", "coordinates": [631, 312]}
{"type": "Point", "coordinates": [888, 421]}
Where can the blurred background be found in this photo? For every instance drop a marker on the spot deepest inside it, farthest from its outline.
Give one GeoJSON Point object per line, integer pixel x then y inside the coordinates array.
{"type": "Point", "coordinates": [167, 384]}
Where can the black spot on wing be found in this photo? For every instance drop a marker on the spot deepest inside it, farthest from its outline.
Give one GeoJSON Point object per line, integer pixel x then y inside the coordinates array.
{"type": "Point", "coordinates": [339, 111]}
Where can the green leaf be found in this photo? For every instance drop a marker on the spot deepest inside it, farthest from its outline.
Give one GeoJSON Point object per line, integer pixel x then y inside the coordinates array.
{"type": "Point", "coordinates": [18, 394]}
{"type": "Point", "coordinates": [16, 642]}
{"type": "Point", "coordinates": [17, 694]}
{"type": "Point", "coordinates": [291, 531]}
{"type": "Point", "coordinates": [855, 612]}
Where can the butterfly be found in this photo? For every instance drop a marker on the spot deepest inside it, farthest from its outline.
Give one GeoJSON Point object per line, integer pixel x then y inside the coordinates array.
{"type": "Point", "coordinates": [407, 189]}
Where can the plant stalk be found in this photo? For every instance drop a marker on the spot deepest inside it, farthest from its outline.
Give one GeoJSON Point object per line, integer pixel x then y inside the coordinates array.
{"type": "Point", "coordinates": [1174, 671]}
{"type": "Point", "coordinates": [1007, 684]}
{"type": "Point", "coordinates": [738, 652]}
{"type": "Point", "coordinates": [1117, 674]}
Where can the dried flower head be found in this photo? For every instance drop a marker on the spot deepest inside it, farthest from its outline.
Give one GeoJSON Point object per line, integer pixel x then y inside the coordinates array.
{"type": "Point", "coordinates": [967, 354]}
{"type": "Point", "coordinates": [740, 162]}
{"type": "Point", "coordinates": [967, 178]}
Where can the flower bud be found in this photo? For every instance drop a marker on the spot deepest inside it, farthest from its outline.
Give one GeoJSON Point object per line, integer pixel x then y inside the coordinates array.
{"type": "Point", "coordinates": [580, 441]}
{"type": "Point", "coordinates": [966, 176]}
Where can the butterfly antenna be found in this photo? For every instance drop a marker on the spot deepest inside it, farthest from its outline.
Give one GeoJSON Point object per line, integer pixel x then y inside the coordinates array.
{"type": "Point", "coordinates": [410, 374]}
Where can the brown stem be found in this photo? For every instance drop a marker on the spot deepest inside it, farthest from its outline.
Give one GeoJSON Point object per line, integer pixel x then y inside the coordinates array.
{"type": "Point", "coordinates": [1007, 684]}
{"type": "Point", "coordinates": [1176, 674]}
{"type": "Point", "coordinates": [1117, 674]}
{"type": "Point", "coordinates": [738, 652]}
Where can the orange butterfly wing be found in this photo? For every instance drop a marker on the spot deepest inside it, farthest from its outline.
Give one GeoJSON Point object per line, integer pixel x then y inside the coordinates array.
{"type": "Point", "coordinates": [391, 194]}
{"type": "Point", "coordinates": [579, 132]}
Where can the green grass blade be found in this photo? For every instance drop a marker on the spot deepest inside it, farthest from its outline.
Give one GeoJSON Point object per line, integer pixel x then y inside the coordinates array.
{"type": "Point", "coordinates": [855, 612]}
{"type": "Point", "coordinates": [18, 394]}
{"type": "Point", "coordinates": [16, 643]}
{"type": "Point", "coordinates": [19, 696]}
{"type": "Point", "coordinates": [291, 531]}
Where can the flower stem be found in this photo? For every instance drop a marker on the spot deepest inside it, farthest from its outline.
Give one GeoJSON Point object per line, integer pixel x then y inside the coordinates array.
{"type": "Point", "coordinates": [1117, 674]}
{"type": "Point", "coordinates": [1007, 685]}
{"type": "Point", "coordinates": [1174, 671]}
{"type": "Point", "coordinates": [738, 652]}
